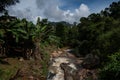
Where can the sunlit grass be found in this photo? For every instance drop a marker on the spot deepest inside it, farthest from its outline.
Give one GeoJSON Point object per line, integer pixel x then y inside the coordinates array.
{"type": "Point", "coordinates": [7, 71]}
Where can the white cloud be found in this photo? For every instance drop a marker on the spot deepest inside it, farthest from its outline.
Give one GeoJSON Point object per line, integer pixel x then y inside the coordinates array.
{"type": "Point", "coordinates": [31, 9]}
{"type": "Point", "coordinates": [82, 10]}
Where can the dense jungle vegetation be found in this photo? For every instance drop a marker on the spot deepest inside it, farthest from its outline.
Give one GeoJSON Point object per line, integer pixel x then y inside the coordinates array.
{"type": "Point", "coordinates": [98, 34]}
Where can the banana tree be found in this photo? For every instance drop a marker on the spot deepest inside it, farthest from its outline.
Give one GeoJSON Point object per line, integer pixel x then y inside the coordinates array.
{"type": "Point", "coordinates": [40, 32]}
{"type": "Point", "coordinates": [17, 36]}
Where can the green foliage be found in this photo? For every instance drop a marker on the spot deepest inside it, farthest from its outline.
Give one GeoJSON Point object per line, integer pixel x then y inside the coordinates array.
{"type": "Point", "coordinates": [111, 70]}
{"type": "Point", "coordinates": [2, 31]}
{"type": "Point", "coordinates": [22, 35]}
{"type": "Point", "coordinates": [62, 31]}
{"type": "Point", "coordinates": [41, 31]}
{"type": "Point", "coordinates": [1, 72]}
{"type": "Point", "coordinates": [109, 41]}
{"type": "Point", "coordinates": [53, 40]}
{"type": "Point", "coordinates": [6, 74]}
{"type": "Point", "coordinates": [113, 10]}
{"type": "Point", "coordinates": [44, 68]}
{"type": "Point", "coordinates": [15, 34]}
{"type": "Point", "coordinates": [100, 32]}
{"type": "Point", "coordinates": [45, 60]}
{"type": "Point", "coordinates": [73, 36]}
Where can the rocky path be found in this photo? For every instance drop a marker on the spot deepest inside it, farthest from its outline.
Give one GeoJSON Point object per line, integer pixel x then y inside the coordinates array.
{"type": "Point", "coordinates": [63, 65]}
{"type": "Point", "coordinates": [66, 66]}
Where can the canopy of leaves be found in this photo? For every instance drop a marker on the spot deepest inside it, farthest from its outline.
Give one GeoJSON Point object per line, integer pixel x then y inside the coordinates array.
{"type": "Point", "coordinates": [111, 70]}
{"type": "Point", "coordinates": [100, 31]}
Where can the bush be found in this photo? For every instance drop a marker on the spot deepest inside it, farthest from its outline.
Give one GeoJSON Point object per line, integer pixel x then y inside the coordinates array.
{"type": "Point", "coordinates": [111, 71]}
{"type": "Point", "coordinates": [45, 59]}
{"type": "Point", "coordinates": [6, 74]}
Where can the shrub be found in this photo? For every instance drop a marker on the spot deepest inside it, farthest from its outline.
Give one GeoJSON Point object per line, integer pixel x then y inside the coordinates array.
{"type": "Point", "coordinates": [6, 74]}
{"type": "Point", "coordinates": [111, 70]}
{"type": "Point", "coordinates": [45, 59]}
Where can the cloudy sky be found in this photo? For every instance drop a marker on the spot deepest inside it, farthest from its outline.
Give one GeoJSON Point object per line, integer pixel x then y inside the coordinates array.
{"type": "Point", "coordinates": [57, 10]}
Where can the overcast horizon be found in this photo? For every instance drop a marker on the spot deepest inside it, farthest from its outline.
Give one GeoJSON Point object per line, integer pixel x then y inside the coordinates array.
{"type": "Point", "coordinates": [57, 10]}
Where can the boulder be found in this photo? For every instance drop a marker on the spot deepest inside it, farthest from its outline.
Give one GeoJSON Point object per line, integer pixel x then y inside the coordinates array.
{"type": "Point", "coordinates": [57, 70]}
{"type": "Point", "coordinates": [70, 71]}
{"type": "Point", "coordinates": [91, 61]}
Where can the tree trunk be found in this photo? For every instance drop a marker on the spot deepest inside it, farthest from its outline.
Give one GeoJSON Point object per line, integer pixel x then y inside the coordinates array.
{"type": "Point", "coordinates": [37, 52]}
